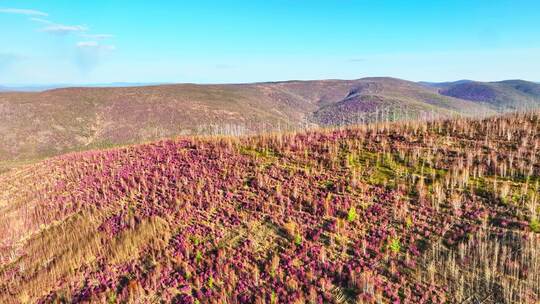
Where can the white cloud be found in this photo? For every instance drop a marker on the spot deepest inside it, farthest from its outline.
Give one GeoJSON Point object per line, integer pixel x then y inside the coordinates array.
{"type": "Point", "coordinates": [27, 12]}
{"type": "Point", "coordinates": [41, 20]}
{"type": "Point", "coordinates": [84, 44]}
{"type": "Point", "coordinates": [61, 29]}
{"type": "Point", "coordinates": [95, 46]}
{"type": "Point", "coordinates": [90, 54]}
{"type": "Point", "coordinates": [97, 36]}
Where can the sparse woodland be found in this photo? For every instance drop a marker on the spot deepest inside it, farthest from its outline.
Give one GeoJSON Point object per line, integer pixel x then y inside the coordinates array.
{"type": "Point", "coordinates": [446, 211]}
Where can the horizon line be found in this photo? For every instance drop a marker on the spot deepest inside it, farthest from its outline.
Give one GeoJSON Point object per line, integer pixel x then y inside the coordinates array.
{"type": "Point", "coordinates": [113, 84]}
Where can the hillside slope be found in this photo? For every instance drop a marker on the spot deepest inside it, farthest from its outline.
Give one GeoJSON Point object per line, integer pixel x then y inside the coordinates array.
{"type": "Point", "coordinates": [502, 96]}
{"type": "Point", "coordinates": [439, 212]}
{"type": "Point", "coordinates": [56, 121]}
{"type": "Point", "coordinates": [38, 125]}
{"type": "Point", "coordinates": [389, 99]}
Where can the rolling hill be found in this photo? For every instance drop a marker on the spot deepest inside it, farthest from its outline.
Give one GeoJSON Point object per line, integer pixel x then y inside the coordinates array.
{"type": "Point", "coordinates": [35, 125]}
{"type": "Point", "coordinates": [502, 96]}
{"type": "Point", "coordinates": [412, 212]}
{"type": "Point", "coordinates": [388, 99]}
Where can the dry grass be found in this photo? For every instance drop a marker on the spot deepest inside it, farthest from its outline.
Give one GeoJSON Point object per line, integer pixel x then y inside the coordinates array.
{"type": "Point", "coordinates": [444, 212]}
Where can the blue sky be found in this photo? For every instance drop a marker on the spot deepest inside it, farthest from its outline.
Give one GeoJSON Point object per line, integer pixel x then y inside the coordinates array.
{"type": "Point", "coordinates": [66, 41]}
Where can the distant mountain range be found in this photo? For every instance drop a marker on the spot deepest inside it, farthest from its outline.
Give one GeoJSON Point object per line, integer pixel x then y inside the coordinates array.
{"type": "Point", "coordinates": [45, 87]}
{"type": "Point", "coordinates": [55, 121]}
{"type": "Point", "coordinates": [503, 95]}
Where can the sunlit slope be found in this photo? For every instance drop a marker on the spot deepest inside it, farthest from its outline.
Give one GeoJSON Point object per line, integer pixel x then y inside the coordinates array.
{"type": "Point", "coordinates": [389, 99]}
{"type": "Point", "coordinates": [508, 95]}
{"type": "Point", "coordinates": [44, 124]}
{"type": "Point", "coordinates": [433, 212]}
